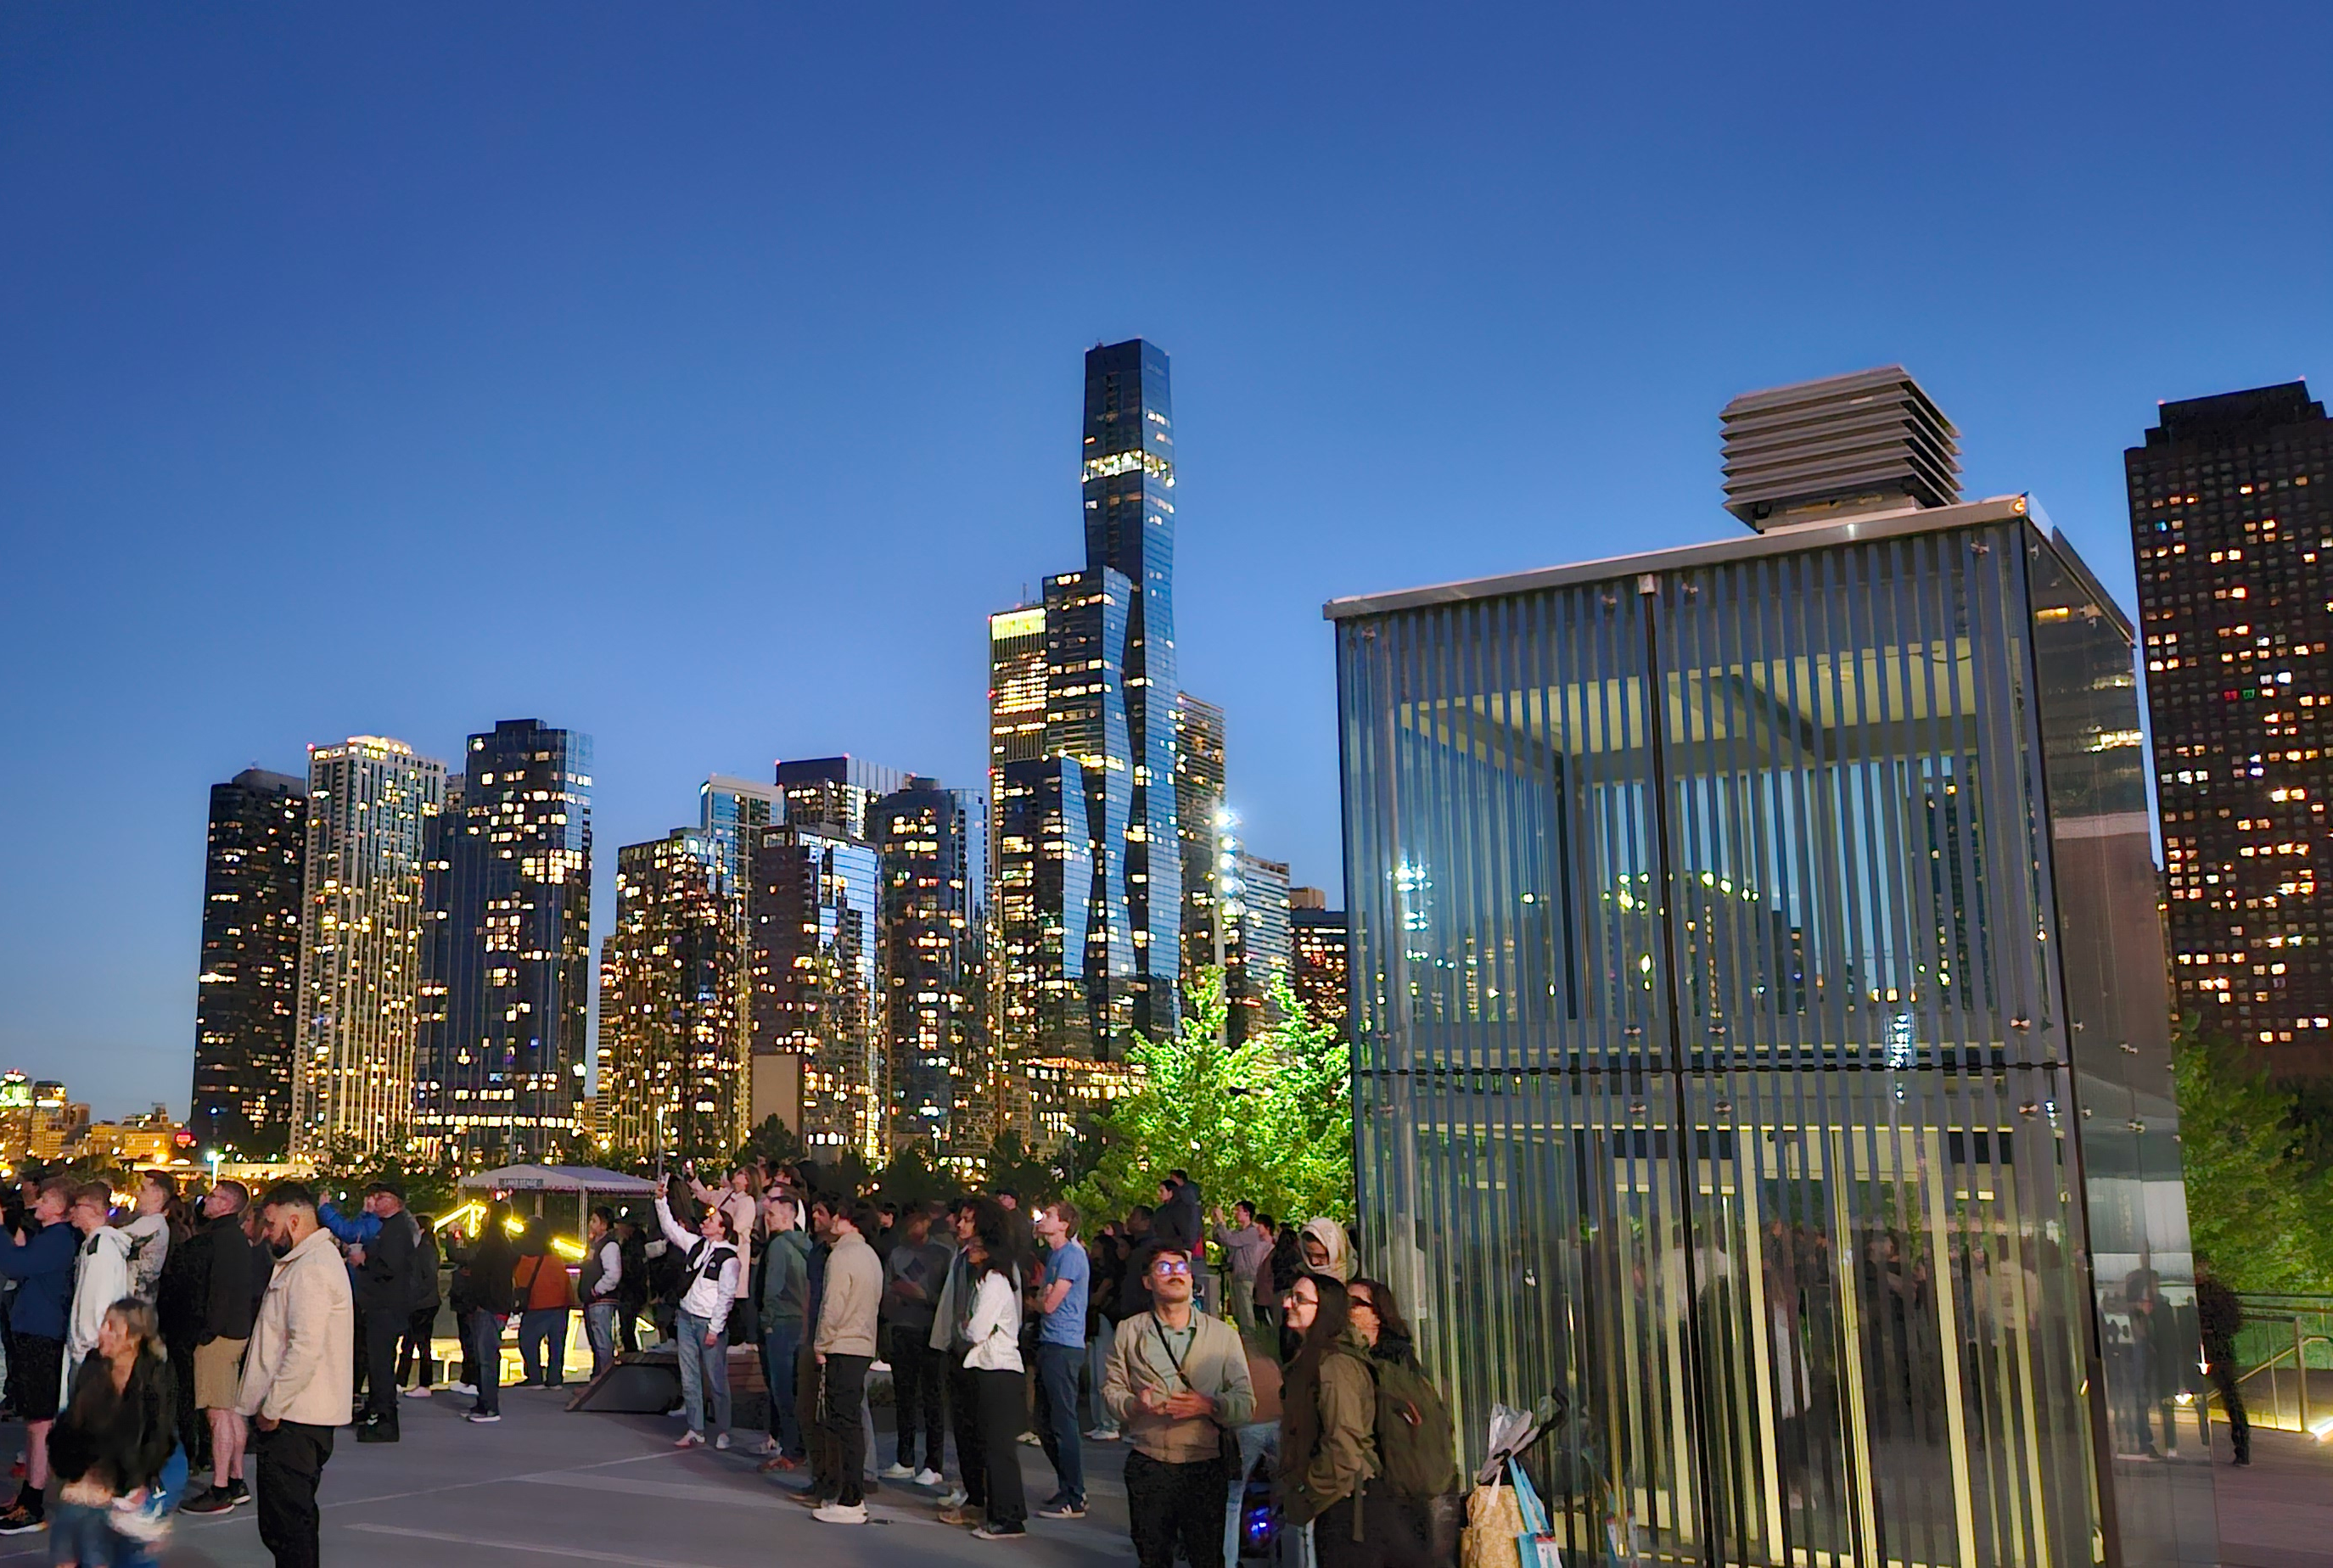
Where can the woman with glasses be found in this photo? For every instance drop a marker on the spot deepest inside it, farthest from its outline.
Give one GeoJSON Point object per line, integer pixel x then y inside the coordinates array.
{"type": "Point", "coordinates": [1327, 1438]}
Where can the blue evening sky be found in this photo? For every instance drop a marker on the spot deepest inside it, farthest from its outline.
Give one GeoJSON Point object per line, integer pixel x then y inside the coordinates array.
{"type": "Point", "coordinates": [700, 375]}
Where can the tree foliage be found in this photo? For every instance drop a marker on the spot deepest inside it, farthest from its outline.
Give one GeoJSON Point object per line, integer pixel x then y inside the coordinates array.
{"type": "Point", "coordinates": [2256, 1196]}
{"type": "Point", "coordinates": [1269, 1120]}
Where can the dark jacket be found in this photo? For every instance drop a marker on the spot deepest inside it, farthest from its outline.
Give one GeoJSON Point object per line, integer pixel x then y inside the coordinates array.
{"type": "Point", "coordinates": [231, 1265]}
{"type": "Point", "coordinates": [42, 1267]}
{"type": "Point", "coordinates": [390, 1278]}
{"type": "Point", "coordinates": [123, 1439]}
{"type": "Point", "coordinates": [491, 1259]}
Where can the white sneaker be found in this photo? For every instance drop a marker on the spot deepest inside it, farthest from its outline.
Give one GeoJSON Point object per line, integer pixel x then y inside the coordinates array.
{"type": "Point", "coordinates": [1032, 1439]}
{"type": "Point", "coordinates": [721, 1442]}
{"type": "Point", "coordinates": [927, 1476]}
{"type": "Point", "coordinates": [468, 1391]}
{"type": "Point", "coordinates": [689, 1441]}
{"type": "Point", "coordinates": [836, 1514]}
{"type": "Point", "coordinates": [1102, 1435]}
{"type": "Point", "coordinates": [420, 1391]}
{"type": "Point", "coordinates": [957, 1498]}
{"type": "Point", "coordinates": [896, 1471]}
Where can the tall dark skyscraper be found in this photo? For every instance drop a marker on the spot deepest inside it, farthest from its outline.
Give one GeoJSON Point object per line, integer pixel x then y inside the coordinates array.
{"type": "Point", "coordinates": [931, 845]}
{"type": "Point", "coordinates": [246, 1017]}
{"type": "Point", "coordinates": [1199, 750]}
{"type": "Point", "coordinates": [503, 1074]}
{"type": "Point", "coordinates": [1088, 863]}
{"type": "Point", "coordinates": [813, 979]}
{"type": "Point", "coordinates": [672, 1060]}
{"type": "Point", "coordinates": [2232, 522]}
{"type": "Point", "coordinates": [1319, 954]}
{"type": "Point", "coordinates": [1129, 477]}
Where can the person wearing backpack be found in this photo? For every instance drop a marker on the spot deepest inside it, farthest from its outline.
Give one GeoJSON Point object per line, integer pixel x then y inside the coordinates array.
{"type": "Point", "coordinates": [1329, 1461]}
{"type": "Point", "coordinates": [1417, 1454]}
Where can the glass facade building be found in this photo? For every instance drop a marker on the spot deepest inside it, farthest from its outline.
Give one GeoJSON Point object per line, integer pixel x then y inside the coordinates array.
{"type": "Point", "coordinates": [814, 907]}
{"type": "Point", "coordinates": [1199, 760]}
{"type": "Point", "coordinates": [505, 1038]}
{"type": "Point", "coordinates": [248, 1002]}
{"type": "Point", "coordinates": [1256, 957]}
{"type": "Point", "coordinates": [1317, 958]}
{"type": "Point", "coordinates": [372, 809]}
{"type": "Point", "coordinates": [672, 1063]}
{"type": "Point", "coordinates": [1761, 1039]}
{"type": "Point", "coordinates": [931, 844]}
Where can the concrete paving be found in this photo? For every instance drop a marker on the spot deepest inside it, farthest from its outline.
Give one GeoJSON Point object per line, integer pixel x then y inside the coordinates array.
{"type": "Point", "coordinates": [545, 1484]}
{"type": "Point", "coordinates": [2277, 1511]}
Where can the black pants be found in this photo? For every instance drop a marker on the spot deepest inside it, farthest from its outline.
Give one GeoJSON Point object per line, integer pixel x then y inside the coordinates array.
{"type": "Point", "coordinates": [382, 1330]}
{"type": "Point", "coordinates": [916, 1370]}
{"type": "Point", "coordinates": [1004, 1401]}
{"type": "Point", "coordinates": [628, 1323]}
{"type": "Point", "coordinates": [414, 1348]}
{"type": "Point", "coordinates": [291, 1463]}
{"type": "Point", "coordinates": [2232, 1405]}
{"type": "Point", "coordinates": [194, 1427]}
{"type": "Point", "coordinates": [842, 1400]}
{"type": "Point", "coordinates": [964, 1419]}
{"type": "Point", "coordinates": [462, 1317]}
{"type": "Point", "coordinates": [1390, 1534]}
{"type": "Point", "coordinates": [1171, 1505]}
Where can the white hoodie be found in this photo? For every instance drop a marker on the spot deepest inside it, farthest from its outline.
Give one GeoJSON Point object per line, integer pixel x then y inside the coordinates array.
{"type": "Point", "coordinates": [101, 1277]}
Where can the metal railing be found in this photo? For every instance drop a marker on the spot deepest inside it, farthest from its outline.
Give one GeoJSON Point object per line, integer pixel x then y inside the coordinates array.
{"type": "Point", "coordinates": [2285, 1351]}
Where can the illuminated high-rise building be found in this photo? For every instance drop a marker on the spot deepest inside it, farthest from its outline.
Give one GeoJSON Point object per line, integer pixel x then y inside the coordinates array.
{"type": "Point", "coordinates": [672, 1050]}
{"type": "Point", "coordinates": [931, 845]}
{"type": "Point", "coordinates": [1198, 821]}
{"type": "Point", "coordinates": [814, 911]}
{"type": "Point", "coordinates": [1318, 945]}
{"type": "Point", "coordinates": [834, 793]}
{"type": "Point", "coordinates": [372, 805]}
{"type": "Point", "coordinates": [732, 810]}
{"type": "Point", "coordinates": [248, 1012]}
{"type": "Point", "coordinates": [2231, 519]}
{"type": "Point", "coordinates": [1254, 915]}
{"type": "Point", "coordinates": [502, 1077]}
{"type": "Point", "coordinates": [1089, 934]}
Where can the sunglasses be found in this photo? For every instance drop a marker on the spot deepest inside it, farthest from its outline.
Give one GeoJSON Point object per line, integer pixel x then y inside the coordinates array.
{"type": "Point", "coordinates": [1170, 1268]}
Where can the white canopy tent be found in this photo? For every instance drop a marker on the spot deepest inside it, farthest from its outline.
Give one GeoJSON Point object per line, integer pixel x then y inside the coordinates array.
{"type": "Point", "coordinates": [586, 1182]}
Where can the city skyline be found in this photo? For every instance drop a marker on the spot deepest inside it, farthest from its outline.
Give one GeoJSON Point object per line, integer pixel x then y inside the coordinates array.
{"type": "Point", "coordinates": [576, 342]}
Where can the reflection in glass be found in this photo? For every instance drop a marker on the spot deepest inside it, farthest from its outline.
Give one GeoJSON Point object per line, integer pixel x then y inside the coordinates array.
{"type": "Point", "coordinates": [1724, 1062]}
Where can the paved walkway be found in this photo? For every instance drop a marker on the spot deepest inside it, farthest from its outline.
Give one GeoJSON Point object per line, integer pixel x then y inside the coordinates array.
{"type": "Point", "coordinates": [2277, 1511]}
{"type": "Point", "coordinates": [545, 1484]}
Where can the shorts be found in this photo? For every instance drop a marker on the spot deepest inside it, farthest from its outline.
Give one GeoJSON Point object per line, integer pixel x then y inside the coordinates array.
{"type": "Point", "coordinates": [218, 1374]}
{"type": "Point", "coordinates": [36, 1365]}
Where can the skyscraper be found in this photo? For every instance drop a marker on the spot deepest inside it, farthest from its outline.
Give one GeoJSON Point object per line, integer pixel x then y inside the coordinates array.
{"type": "Point", "coordinates": [2232, 520]}
{"type": "Point", "coordinates": [503, 1077]}
{"type": "Point", "coordinates": [1199, 750]}
{"type": "Point", "coordinates": [1254, 914]}
{"type": "Point", "coordinates": [813, 908]}
{"type": "Point", "coordinates": [834, 792]}
{"type": "Point", "coordinates": [1317, 951]}
{"type": "Point", "coordinates": [1089, 931]}
{"type": "Point", "coordinates": [672, 1069]}
{"type": "Point", "coordinates": [932, 848]}
{"type": "Point", "coordinates": [247, 1015]}
{"type": "Point", "coordinates": [731, 810]}
{"type": "Point", "coordinates": [1129, 477]}
{"type": "Point", "coordinates": [371, 806]}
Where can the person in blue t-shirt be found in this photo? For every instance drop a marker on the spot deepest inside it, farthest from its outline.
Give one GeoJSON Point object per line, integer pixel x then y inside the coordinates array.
{"type": "Point", "coordinates": [1061, 1355]}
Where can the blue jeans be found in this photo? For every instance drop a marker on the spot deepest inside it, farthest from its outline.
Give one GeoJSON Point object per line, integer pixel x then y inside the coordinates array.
{"type": "Point", "coordinates": [1097, 1366]}
{"type": "Point", "coordinates": [486, 1345]}
{"type": "Point", "coordinates": [81, 1534]}
{"type": "Point", "coordinates": [1256, 1439]}
{"type": "Point", "coordinates": [599, 1333]}
{"type": "Point", "coordinates": [703, 1368]}
{"type": "Point", "coordinates": [1057, 1416]}
{"type": "Point", "coordinates": [539, 1329]}
{"type": "Point", "coordinates": [781, 1348]}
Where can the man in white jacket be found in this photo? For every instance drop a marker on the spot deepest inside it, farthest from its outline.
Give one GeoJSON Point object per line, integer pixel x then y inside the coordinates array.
{"type": "Point", "coordinates": [299, 1374]}
{"type": "Point", "coordinates": [103, 1273]}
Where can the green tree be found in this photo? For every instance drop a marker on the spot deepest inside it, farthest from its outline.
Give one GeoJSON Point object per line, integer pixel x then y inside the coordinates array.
{"type": "Point", "coordinates": [2254, 1197]}
{"type": "Point", "coordinates": [909, 1178]}
{"type": "Point", "coordinates": [1269, 1120]}
{"type": "Point", "coordinates": [774, 1141]}
{"type": "Point", "coordinates": [1014, 1165]}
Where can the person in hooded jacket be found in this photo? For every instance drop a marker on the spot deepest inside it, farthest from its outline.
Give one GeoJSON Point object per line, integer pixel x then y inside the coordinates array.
{"type": "Point", "coordinates": [101, 1279]}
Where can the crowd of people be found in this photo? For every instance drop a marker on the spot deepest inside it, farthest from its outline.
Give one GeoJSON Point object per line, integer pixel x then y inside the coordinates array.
{"type": "Point", "coordinates": [200, 1356]}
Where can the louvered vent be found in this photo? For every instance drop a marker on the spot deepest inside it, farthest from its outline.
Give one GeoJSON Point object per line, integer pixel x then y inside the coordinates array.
{"type": "Point", "coordinates": [1867, 441]}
